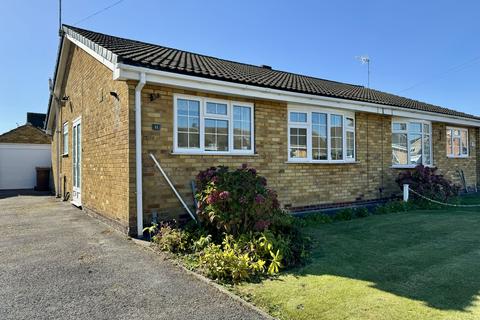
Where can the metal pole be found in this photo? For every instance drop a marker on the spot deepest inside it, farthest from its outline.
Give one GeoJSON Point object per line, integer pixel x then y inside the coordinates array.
{"type": "Point", "coordinates": [368, 70]}
{"type": "Point", "coordinates": [173, 188]}
{"type": "Point", "coordinates": [60, 18]}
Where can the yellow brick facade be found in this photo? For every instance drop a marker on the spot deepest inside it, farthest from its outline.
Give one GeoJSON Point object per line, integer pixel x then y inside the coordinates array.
{"type": "Point", "coordinates": [105, 138]}
{"type": "Point", "coordinates": [298, 185]}
{"type": "Point", "coordinates": [108, 170]}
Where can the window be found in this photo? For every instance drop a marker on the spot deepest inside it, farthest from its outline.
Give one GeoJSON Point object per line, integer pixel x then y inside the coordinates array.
{"type": "Point", "coordinates": [204, 125]}
{"type": "Point", "coordinates": [411, 143]}
{"type": "Point", "coordinates": [242, 128]}
{"type": "Point", "coordinates": [317, 135]}
{"type": "Point", "coordinates": [350, 130]}
{"type": "Point", "coordinates": [65, 138]}
{"type": "Point", "coordinates": [188, 123]}
{"type": "Point", "coordinates": [457, 142]}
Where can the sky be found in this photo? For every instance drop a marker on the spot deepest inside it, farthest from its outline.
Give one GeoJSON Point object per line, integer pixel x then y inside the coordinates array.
{"type": "Point", "coordinates": [425, 50]}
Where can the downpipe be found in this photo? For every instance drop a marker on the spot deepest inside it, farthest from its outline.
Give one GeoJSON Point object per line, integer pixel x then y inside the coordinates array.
{"type": "Point", "coordinates": [138, 152]}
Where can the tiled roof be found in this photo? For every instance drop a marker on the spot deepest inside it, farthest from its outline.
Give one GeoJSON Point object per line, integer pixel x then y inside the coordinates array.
{"type": "Point", "coordinates": [157, 57]}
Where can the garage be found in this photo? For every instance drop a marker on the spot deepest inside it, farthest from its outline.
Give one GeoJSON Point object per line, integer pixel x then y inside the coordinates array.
{"type": "Point", "coordinates": [22, 150]}
{"type": "Point", "coordinates": [18, 164]}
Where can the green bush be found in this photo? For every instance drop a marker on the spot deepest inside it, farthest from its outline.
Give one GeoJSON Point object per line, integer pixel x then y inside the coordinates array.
{"type": "Point", "coordinates": [362, 212]}
{"type": "Point", "coordinates": [172, 239]}
{"type": "Point", "coordinates": [316, 218]}
{"type": "Point", "coordinates": [286, 233]}
{"type": "Point", "coordinates": [237, 260]}
{"type": "Point", "coordinates": [344, 214]}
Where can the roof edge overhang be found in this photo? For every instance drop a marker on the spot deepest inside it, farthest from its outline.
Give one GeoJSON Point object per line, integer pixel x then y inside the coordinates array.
{"type": "Point", "coordinates": [69, 37]}
{"type": "Point", "coordinates": [129, 72]}
{"type": "Point", "coordinates": [122, 71]}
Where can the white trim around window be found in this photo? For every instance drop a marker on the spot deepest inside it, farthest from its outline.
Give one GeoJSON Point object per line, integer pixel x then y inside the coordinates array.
{"type": "Point", "coordinates": [320, 135]}
{"type": "Point", "coordinates": [65, 139]}
{"type": "Point", "coordinates": [411, 143]}
{"type": "Point", "coordinates": [457, 138]}
{"type": "Point", "coordinates": [214, 126]}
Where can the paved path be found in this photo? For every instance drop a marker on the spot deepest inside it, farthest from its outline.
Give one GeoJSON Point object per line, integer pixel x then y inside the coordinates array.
{"type": "Point", "coordinates": [58, 263]}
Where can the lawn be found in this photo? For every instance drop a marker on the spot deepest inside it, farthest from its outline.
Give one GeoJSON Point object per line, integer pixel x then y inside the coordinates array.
{"type": "Point", "coordinates": [413, 265]}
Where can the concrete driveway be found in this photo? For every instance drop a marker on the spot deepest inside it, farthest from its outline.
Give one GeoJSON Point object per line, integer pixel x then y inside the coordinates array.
{"type": "Point", "coordinates": [58, 263]}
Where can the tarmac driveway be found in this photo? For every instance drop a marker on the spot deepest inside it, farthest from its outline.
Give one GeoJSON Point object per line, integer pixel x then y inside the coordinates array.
{"type": "Point", "coordinates": [58, 263]}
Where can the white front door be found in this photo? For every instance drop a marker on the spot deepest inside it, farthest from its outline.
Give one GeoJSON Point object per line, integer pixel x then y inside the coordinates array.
{"type": "Point", "coordinates": [77, 162]}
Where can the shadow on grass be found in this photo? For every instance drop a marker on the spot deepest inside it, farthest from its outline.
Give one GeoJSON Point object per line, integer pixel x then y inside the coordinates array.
{"type": "Point", "coordinates": [431, 256]}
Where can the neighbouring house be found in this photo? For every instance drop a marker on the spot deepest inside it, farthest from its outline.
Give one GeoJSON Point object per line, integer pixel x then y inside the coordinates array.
{"type": "Point", "coordinates": [22, 151]}
{"type": "Point", "coordinates": [116, 101]}
{"type": "Point", "coordinates": [36, 119]}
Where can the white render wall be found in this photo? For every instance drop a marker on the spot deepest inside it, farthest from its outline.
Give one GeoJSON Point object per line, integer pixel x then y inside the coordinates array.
{"type": "Point", "coordinates": [18, 163]}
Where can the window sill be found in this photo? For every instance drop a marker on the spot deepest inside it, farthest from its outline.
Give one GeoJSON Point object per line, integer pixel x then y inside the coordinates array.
{"type": "Point", "coordinates": [458, 157]}
{"type": "Point", "coordinates": [322, 162]}
{"type": "Point", "coordinates": [222, 154]}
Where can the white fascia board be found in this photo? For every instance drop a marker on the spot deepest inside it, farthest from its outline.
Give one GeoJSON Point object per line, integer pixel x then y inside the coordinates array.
{"type": "Point", "coordinates": [104, 56]}
{"type": "Point", "coordinates": [57, 84]}
{"type": "Point", "coordinates": [128, 72]}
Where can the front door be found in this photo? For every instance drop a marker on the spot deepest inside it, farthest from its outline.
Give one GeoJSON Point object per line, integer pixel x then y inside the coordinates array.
{"type": "Point", "coordinates": [77, 162]}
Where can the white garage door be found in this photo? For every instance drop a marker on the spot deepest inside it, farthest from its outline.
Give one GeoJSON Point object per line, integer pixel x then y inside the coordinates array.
{"type": "Point", "coordinates": [18, 163]}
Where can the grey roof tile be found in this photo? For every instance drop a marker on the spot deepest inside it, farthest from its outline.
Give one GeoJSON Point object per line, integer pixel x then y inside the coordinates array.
{"type": "Point", "coordinates": [157, 57]}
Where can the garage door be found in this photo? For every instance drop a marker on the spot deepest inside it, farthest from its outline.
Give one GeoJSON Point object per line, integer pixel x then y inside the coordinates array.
{"type": "Point", "coordinates": [18, 163]}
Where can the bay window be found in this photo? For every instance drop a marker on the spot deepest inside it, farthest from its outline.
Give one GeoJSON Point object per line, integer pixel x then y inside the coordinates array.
{"type": "Point", "coordinates": [457, 142]}
{"type": "Point", "coordinates": [204, 125]}
{"type": "Point", "coordinates": [320, 135]}
{"type": "Point", "coordinates": [411, 143]}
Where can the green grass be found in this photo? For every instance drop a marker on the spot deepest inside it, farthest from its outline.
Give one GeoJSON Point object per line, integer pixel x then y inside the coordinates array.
{"type": "Point", "coordinates": [411, 265]}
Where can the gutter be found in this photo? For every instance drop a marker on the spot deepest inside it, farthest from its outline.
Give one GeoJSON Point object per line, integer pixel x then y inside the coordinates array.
{"type": "Point", "coordinates": [138, 152]}
{"type": "Point", "coordinates": [130, 72]}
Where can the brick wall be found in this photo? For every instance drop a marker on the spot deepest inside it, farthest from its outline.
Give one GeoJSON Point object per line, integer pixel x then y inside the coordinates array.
{"type": "Point", "coordinates": [296, 184]}
{"type": "Point", "coordinates": [25, 134]}
{"type": "Point", "coordinates": [105, 137]}
{"type": "Point", "coordinates": [449, 166]}
{"type": "Point", "coordinates": [371, 177]}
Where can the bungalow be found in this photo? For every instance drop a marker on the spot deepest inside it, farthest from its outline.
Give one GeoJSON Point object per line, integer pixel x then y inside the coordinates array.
{"type": "Point", "coordinates": [116, 101]}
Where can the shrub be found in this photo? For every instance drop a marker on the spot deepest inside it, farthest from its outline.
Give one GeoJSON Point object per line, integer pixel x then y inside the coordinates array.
{"type": "Point", "coordinates": [381, 209]}
{"type": "Point", "coordinates": [316, 218]}
{"type": "Point", "coordinates": [427, 182]}
{"type": "Point", "coordinates": [171, 239]}
{"type": "Point", "coordinates": [344, 214]}
{"type": "Point", "coordinates": [361, 212]}
{"type": "Point", "coordinates": [237, 260]}
{"type": "Point", "coordinates": [289, 238]}
{"type": "Point", "coordinates": [235, 201]}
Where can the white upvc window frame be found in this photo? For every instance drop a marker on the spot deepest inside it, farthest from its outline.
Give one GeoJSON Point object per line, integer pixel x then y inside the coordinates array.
{"type": "Point", "coordinates": [65, 141]}
{"type": "Point", "coordinates": [308, 125]}
{"type": "Point", "coordinates": [408, 121]}
{"type": "Point", "coordinates": [452, 137]}
{"type": "Point", "coordinates": [205, 115]}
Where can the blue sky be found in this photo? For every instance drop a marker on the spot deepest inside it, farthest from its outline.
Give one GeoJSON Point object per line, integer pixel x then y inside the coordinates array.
{"type": "Point", "coordinates": [430, 45]}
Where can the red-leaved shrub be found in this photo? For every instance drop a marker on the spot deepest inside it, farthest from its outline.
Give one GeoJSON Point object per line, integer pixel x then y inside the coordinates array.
{"type": "Point", "coordinates": [427, 182]}
{"type": "Point", "coordinates": [235, 201]}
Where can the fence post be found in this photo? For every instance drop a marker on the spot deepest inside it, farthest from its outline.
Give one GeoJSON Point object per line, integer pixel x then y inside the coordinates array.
{"type": "Point", "coordinates": [406, 192]}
